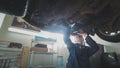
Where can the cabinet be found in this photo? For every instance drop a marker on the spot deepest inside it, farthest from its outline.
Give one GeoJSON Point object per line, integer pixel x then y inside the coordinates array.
{"type": "Point", "coordinates": [42, 57]}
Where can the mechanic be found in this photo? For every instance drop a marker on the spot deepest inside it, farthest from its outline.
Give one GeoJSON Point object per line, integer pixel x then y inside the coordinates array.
{"type": "Point", "coordinates": [79, 53]}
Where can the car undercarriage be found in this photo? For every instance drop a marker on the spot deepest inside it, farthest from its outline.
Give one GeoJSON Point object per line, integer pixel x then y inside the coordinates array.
{"type": "Point", "coordinates": [102, 16]}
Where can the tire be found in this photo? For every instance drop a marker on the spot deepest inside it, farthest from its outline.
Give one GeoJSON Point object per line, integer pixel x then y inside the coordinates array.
{"type": "Point", "coordinates": [107, 37]}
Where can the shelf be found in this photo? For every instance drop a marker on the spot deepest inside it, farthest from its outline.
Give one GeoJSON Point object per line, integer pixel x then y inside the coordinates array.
{"type": "Point", "coordinates": [46, 66]}
{"type": "Point", "coordinates": [44, 55]}
{"type": "Point", "coordinates": [36, 52]}
{"type": "Point", "coordinates": [43, 42]}
{"type": "Point", "coordinates": [44, 39]}
{"type": "Point", "coordinates": [11, 57]}
{"type": "Point", "coordinates": [3, 41]}
{"type": "Point", "coordinates": [11, 49]}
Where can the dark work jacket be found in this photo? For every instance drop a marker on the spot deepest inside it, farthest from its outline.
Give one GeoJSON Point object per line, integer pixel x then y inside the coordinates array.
{"type": "Point", "coordinates": [78, 54]}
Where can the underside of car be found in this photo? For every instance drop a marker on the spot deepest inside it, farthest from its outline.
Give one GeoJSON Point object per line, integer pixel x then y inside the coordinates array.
{"type": "Point", "coordinates": [101, 16]}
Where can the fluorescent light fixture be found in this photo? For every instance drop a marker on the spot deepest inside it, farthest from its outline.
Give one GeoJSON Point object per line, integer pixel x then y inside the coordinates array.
{"type": "Point", "coordinates": [2, 16]}
{"type": "Point", "coordinates": [24, 31]}
{"type": "Point", "coordinates": [33, 33]}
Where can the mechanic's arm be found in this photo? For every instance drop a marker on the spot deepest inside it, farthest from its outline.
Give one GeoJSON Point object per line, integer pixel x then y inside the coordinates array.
{"type": "Point", "coordinates": [67, 40]}
{"type": "Point", "coordinates": [93, 47]}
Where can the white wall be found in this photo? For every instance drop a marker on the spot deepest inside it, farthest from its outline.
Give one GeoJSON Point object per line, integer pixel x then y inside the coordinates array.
{"type": "Point", "coordinates": [2, 16]}
{"type": "Point", "coordinates": [113, 48]}
{"type": "Point", "coordinates": [12, 36]}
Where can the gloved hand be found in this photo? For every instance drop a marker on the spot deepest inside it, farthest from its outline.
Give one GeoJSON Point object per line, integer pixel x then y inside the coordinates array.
{"type": "Point", "coordinates": [82, 33]}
